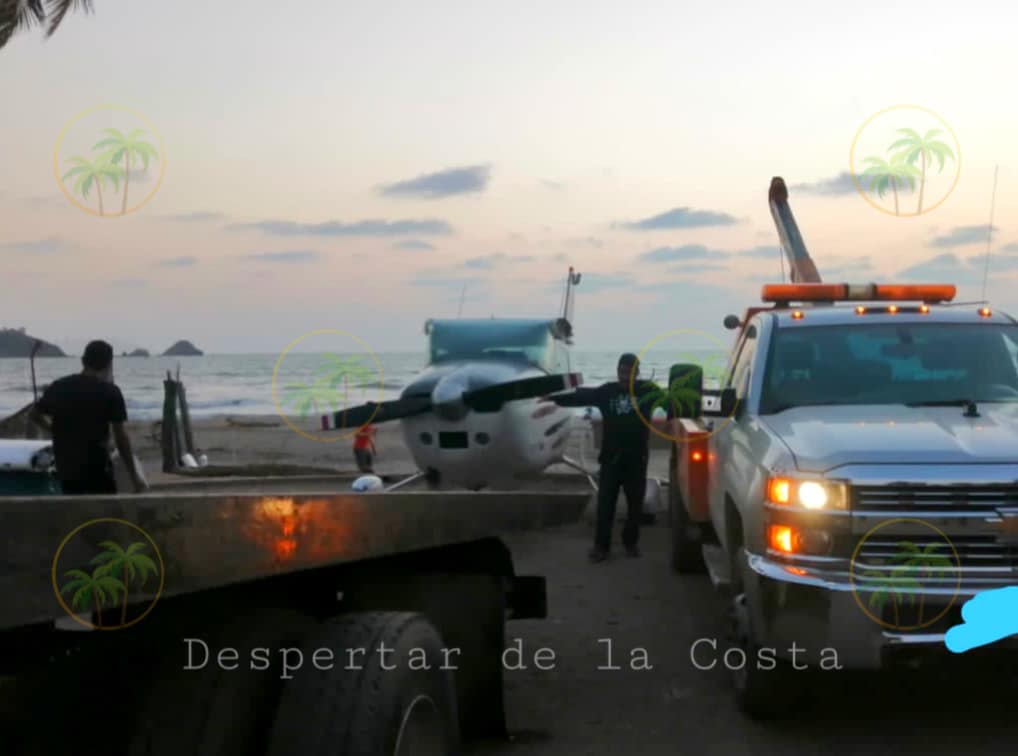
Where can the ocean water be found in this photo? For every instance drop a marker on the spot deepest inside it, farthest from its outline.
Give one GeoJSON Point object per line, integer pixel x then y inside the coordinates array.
{"type": "Point", "coordinates": [243, 384]}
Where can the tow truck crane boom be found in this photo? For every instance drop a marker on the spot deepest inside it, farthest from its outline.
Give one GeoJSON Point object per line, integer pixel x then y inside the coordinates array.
{"type": "Point", "coordinates": [803, 270]}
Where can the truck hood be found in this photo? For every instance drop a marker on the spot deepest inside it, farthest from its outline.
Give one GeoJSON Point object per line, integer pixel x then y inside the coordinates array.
{"type": "Point", "coordinates": [823, 438]}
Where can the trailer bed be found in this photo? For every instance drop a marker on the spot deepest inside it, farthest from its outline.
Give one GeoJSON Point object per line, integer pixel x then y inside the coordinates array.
{"type": "Point", "coordinates": [232, 532]}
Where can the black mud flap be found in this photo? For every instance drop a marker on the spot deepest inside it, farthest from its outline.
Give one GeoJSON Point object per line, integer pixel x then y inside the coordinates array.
{"type": "Point", "coordinates": [528, 597]}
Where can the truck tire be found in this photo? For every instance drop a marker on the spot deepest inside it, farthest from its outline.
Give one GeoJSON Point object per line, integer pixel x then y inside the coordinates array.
{"type": "Point", "coordinates": [217, 711]}
{"type": "Point", "coordinates": [360, 708]}
{"type": "Point", "coordinates": [760, 693]}
{"type": "Point", "coordinates": [687, 547]}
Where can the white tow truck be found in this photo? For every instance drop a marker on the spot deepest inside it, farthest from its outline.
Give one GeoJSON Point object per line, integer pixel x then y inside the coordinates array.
{"type": "Point", "coordinates": [854, 479]}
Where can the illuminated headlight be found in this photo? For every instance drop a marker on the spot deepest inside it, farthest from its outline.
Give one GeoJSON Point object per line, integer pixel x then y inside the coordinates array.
{"type": "Point", "coordinates": [807, 494]}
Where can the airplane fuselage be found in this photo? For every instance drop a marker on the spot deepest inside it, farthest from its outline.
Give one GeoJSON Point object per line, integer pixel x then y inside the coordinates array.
{"type": "Point", "coordinates": [471, 448]}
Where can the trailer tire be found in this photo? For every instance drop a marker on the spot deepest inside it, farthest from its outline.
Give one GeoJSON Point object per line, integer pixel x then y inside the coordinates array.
{"type": "Point", "coordinates": [687, 549]}
{"type": "Point", "coordinates": [760, 693]}
{"type": "Point", "coordinates": [376, 710]}
{"type": "Point", "coordinates": [218, 710]}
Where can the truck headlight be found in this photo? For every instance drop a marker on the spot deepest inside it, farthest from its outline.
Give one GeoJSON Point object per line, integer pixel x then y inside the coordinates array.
{"type": "Point", "coordinates": [807, 493]}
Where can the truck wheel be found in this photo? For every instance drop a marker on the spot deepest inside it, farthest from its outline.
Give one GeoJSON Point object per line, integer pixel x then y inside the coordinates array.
{"type": "Point", "coordinates": [687, 546]}
{"type": "Point", "coordinates": [222, 708]}
{"type": "Point", "coordinates": [358, 706]}
{"type": "Point", "coordinates": [761, 693]}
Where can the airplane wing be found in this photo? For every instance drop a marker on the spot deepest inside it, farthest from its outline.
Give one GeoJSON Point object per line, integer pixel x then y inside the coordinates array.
{"type": "Point", "coordinates": [376, 412]}
{"type": "Point", "coordinates": [491, 398]}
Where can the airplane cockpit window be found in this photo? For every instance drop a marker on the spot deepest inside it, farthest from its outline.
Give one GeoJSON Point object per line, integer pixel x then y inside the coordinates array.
{"type": "Point", "coordinates": [528, 342]}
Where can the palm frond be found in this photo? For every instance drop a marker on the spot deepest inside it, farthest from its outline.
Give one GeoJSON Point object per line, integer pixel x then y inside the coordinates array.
{"type": "Point", "coordinates": [59, 8]}
{"type": "Point", "coordinates": [19, 14]}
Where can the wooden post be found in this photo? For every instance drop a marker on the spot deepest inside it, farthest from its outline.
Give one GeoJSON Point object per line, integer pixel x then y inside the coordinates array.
{"type": "Point", "coordinates": [170, 442]}
{"type": "Point", "coordinates": [185, 420]}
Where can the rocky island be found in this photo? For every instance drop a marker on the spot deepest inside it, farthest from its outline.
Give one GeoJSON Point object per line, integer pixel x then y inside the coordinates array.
{"type": "Point", "coordinates": [14, 342]}
{"type": "Point", "coordinates": [183, 348]}
{"type": "Point", "coordinates": [136, 353]}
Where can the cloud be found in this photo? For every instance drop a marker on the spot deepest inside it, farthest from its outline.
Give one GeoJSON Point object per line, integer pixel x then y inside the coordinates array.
{"type": "Point", "coordinates": [499, 258]}
{"type": "Point", "coordinates": [52, 245]}
{"type": "Point", "coordinates": [681, 217]}
{"type": "Point", "coordinates": [177, 262]}
{"type": "Point", "coordinates": [466, 180]}
{"type": "Point", "coordinates": [560, 257]}
{"type": "Point", "coordinates": [763, 251]}
{"type": "Point", "coordinates": [289, 256]}
{"type": "Point", "coordinates": [962, 235]}
{"type": "Point", "coordinates": [1011, 248]}
{"type": "Point", "coordinates": [585, 241]}
{"type": "Point", "coordinates": [943, 268]}
{"type": "Point", "coordinates": [698, 267]}
{"type": "Point", "coordinates": [839, 185]}
{"type": "Point", "coordinates": [594, 282]}
{"type": "Point", "coordinates": [415, 244]}
{"type": "Point", "coordinates": [196, 217]}
{"type": "Point", "coordinates": [555, 186]}
{"type": "Point", "coordinates": [997, 264]}
{"type": "Point", "coordinates": [684, 252]}
{"type": "Point", "coordinates": [847, 266]}
{"type": "Point", "coordinates": [440, 281]}
{"type": "Point", "coordinates": [358, 228]}
{"type": "Point", "coordinates": [129, 283]}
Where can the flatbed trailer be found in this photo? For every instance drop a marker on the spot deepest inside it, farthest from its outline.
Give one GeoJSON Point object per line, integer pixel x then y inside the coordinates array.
{"type": "Point", "coordinates": [284, 568]}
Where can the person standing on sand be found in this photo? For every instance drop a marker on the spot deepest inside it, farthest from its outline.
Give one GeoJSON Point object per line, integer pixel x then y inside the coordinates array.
{"type": "Point", "coordinates": [364, 448]}
{"type": "Point", "coordinates": [624, 450]}
{"type": "Point", "coordinates": [82, 407]}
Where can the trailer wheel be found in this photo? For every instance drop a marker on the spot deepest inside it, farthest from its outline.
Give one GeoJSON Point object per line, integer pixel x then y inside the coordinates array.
{"type": "Point", "coordinates": [687, 544]}
{"type": "Point", "coordinates": [223, 708]}
{"type": "Point", "coordinates": [761, 693]}
{"type": "Point", "coordinates": [358, 706]}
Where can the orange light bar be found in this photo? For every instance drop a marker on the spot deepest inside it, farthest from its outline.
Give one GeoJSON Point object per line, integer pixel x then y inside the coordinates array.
{"type": "Point", "coordinates": [820, 292]}
{"type": "Point", "coordinates": [815, 292]}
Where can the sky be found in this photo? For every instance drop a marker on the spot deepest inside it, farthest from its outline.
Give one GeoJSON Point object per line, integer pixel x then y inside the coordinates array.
{"type": "Point", "coordinates": [364, 166]}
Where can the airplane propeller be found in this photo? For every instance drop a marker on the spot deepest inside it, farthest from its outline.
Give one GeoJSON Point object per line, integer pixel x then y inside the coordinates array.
{"type": "Point", "coordinates": [487, 399]}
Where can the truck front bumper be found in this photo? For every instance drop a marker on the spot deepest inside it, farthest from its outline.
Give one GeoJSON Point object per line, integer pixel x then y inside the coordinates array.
{"type": "Point", "coordinates": [809, 614]}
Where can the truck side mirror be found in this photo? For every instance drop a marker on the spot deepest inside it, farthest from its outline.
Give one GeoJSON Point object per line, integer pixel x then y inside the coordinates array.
{"type": "Point", "coordinates": [732, 322]}
{"type": "Point", "coordinates": [684, 397]}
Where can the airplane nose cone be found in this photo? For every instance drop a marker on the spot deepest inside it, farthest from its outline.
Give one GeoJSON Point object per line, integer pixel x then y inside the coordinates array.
{"type": "Point", "coordinates": [447, 398]}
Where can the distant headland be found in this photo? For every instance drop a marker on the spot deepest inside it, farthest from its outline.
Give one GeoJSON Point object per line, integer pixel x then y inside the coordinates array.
{"type": "Point", "coordinates": [183, 348]}
{"type": "Point", "coordinates": [136, 353]}
{"type": "Point", "coordinates": [14, 342]}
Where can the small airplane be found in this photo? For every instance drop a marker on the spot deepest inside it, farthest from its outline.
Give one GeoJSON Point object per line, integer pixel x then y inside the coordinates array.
{"type": "Point", "coordinates": [471, 418]}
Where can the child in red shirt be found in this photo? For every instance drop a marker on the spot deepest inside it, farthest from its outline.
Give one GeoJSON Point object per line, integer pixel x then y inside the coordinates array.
{"type": "Point", "coordinates": [364, 448]}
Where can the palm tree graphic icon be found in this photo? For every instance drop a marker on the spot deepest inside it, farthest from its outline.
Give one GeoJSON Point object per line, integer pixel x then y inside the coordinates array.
{"type": "Point", "coordinates": [324, 391]}
{"type": "Point", "coordinates": [898, 170]}
{"type": "Point", "coordinates": [115, 155]}
{"type": "Point", "coordinates": [114, 571]}
{"type": "Point", "coordinates": [914, 568]}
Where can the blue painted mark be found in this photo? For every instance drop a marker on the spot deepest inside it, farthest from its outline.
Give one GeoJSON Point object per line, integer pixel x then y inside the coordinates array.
{"type": "Point", "coordinates": [987, 617]}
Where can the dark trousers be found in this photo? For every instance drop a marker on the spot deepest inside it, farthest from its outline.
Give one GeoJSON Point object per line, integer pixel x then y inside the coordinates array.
{"type": "Point", "coordinates": [629, 475]}
{"type": "Point", "coordinates": [364, 460]}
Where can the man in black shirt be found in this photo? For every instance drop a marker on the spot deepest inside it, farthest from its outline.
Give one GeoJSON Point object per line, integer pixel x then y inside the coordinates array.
{"type": "Point", "coordinates": [82, 407]}
{"type": "Point", "coordinates": [624, 449]}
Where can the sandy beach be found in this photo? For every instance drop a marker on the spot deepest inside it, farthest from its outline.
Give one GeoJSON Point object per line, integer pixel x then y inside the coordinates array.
{"type": "Point", "coordinates": [267, 440]}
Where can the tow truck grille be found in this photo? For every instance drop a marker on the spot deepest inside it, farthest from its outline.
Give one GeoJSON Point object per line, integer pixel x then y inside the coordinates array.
{"type": "Point", "coordinates": [939, 499]}
{"type": "Point", "coordinates": [982, 553]}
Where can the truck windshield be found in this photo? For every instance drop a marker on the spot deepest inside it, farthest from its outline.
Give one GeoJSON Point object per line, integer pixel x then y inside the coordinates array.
{"type": "Point", "coordinates": [913, 363]}
{"type": "Point", "coordinates": [523, 341]}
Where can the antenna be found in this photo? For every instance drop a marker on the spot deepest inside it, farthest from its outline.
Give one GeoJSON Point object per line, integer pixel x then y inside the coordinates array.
{"type": "Point", "coordinates": [989, 231]}
{"type": "Point", "coordinates": [463, 295]}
